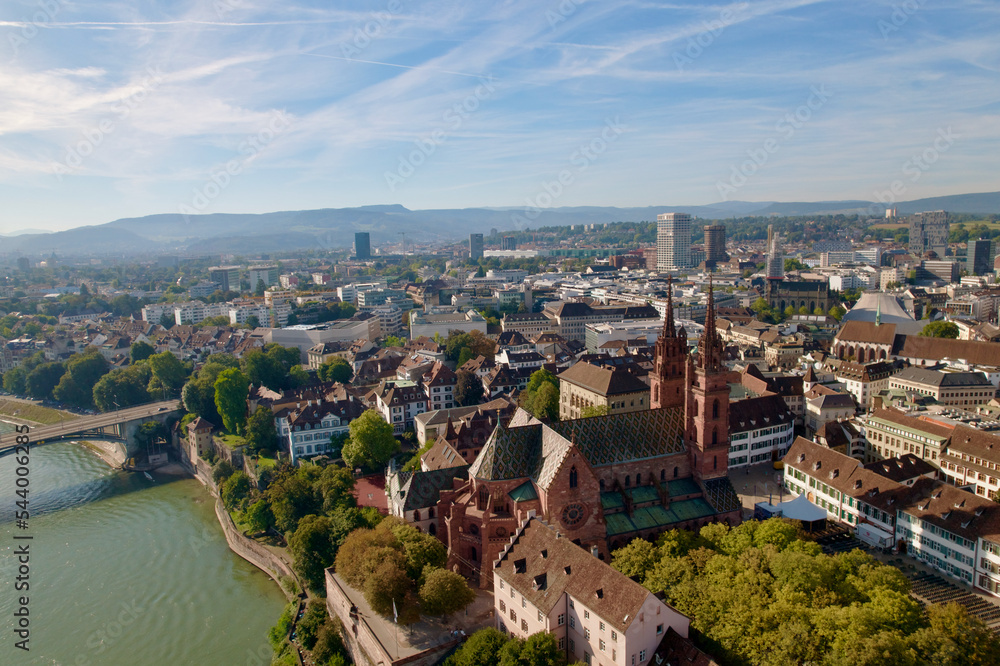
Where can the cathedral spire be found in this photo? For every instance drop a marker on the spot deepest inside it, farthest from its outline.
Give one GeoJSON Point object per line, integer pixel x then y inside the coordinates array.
{"type": "Point", "coordinates": [708, 345]}
{"type": "Point", "coordinates": [668, 317]}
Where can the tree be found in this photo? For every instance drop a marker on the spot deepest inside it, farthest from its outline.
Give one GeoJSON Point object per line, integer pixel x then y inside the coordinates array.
{"type": "Point", "coordinates": [393, 341]}
{"type": "Point", "coordinates": [329, 648]}
{"type": "Point", "coordinates": [482, 649]}
{"type": "Point", "coordinates": [594, 410]}
{"type": "Point", "coordinates": [253, 322]}
{"type": "Point", "coordinates": [837, 312]}
{"type": "Point", "coordinates": [312, 549]}
{"type": "Point", "coordinates": [762, 309]}
{"type": "Point", "coordinates": [231, 390]}
{"type": "Point", "coordinates": [337, 369]}
{"type": "Point", "coordinates": [140, 351]}
{"type": "Point", "coordinates": [297, 376]}
{"type": "Point", "coordinates": [168, 374]}
{"type": "Point", "coordinates": [464, 355]}
{"type": "Point", "coordinates": [546, 402]}
{"type": "Point", "coordinates": [539, 649]}
{"type": "Point", "coordinates": [14, 381]}
{"type": "Point", "coordinates": [261, 433]}
{"type": "Point", "coordinates": [311, 622]}
{"type": "Point", "coordinates": [122, 387]}
{"type": "Point", "coordinates": [445, 592]}
{"type": "Point", "coordinates": [335, 486]}
{"type": "Point", "coordinates": [291, 497]}
{"type": "Point", "coordinates": [258, 516]}
{"type": "Point", "coordinates": [635, 558]}
{"type": "Point", "coordinates": [259, 288]}
{"type": "Point", "coordinates": [819, 312]}
{"type": "Point", "coordinates": [803, 310]}
{"type": "Point", "coordinates": [468, 388]}
{"type": "Point", "coordinates": [43, 379]}
{"type": "Point", "coordinates": [371, 443]}
{"type": "Point", "coordinates": [940, 329]}
{"type": "Point", "coordinates": [236, 490]}
{"type": "Point", "coordinates": [386, 589]}
{"type": "Point", "coordinates": [222, 471]}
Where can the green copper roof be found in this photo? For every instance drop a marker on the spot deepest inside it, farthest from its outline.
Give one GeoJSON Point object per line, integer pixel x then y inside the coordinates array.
{"type": "Point", "coordinates": [524, 492]}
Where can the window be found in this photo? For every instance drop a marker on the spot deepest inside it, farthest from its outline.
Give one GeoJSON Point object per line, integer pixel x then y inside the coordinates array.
{"type": "Point", "coordinates": [572, 477]}
{"type": "Point", "coordinates": [503, 606]}
{"type": "Point", "coordinates": [562, 643]}
{"type": "Point", "coordinates": [642, 656]}
{"type": "Point", "coordinates": [562, 619]}
{"type": "Point", "coordinates": [586, 633]}
{"type": "Point", "coordinates": [602, 645]}
{"type": "Point", "coordinates": [659, 630]}
{"type": "Point", "coordinates": [572, 622]}
{"type": "Point", "coordinates": [524, 626]}
{"type": "Point", "coordinates": [541, 618]}
{"type": "Point", "coordinates": [501, 584]}
{"type": "Point", "coordinates": [586, 615]}
{"type": "Point", "coordinates": [513, 615]}
{"type": "Point", "coordinates": [524, 602]}
{"type": "Point", "coordinates": [614, 635]}
{"type": "Point", "coordinates": [602, 626]}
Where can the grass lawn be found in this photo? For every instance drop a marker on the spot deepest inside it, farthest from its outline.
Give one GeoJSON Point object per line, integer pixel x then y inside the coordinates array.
{"type": "Point", "coordinates": [232, 441]}
{"type": "Point", "coordinates": [36, 413]}
{"type": "Point", "coordinates": [264, 462]}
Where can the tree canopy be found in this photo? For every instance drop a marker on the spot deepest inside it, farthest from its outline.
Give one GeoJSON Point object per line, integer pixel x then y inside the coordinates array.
{"type": "Point", "coordinates": [371, 443]}
{"type": "Point", "coordinates": [760, 595]}
{"type": "Point", "coordinates": [940, 329]}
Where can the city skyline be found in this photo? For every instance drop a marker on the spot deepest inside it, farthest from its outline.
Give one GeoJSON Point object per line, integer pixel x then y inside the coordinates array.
{"type": "Point", "coordinates": [226, 107]}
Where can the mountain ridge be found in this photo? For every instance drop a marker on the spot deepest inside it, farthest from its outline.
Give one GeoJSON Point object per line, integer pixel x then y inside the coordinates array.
{"type": "Point", "coordinates": [333, 228]}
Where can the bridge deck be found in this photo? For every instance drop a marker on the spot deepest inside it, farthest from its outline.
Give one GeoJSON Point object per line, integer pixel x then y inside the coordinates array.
{"type": "Point", "coordinates": [89, 423]}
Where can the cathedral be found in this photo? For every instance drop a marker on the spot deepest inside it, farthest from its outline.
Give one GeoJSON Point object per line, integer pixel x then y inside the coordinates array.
{"type": "Point", "coordinates": [605, 480]}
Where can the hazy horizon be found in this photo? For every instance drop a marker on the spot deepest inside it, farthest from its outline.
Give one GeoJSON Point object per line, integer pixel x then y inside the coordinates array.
{"type": "Point", "coordinates": [113, 111]}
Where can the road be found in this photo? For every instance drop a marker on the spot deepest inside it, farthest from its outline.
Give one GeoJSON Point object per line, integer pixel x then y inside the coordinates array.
{"type": "Point", "coordinates": [43, 432]}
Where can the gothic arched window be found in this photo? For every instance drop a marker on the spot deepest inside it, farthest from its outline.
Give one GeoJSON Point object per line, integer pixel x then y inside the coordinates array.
{"type": "Point", "coordinates": [715, 409]}
{"type": "Point", "coordinates": [572, 477]}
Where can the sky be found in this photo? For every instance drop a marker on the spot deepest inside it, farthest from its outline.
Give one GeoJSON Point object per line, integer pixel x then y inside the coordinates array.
{"type": "Point", "coordinates": [130, 108]}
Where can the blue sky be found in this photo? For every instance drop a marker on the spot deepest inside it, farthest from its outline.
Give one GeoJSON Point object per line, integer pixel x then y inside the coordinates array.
{"type": "Point", "coordinates": [121, 109]}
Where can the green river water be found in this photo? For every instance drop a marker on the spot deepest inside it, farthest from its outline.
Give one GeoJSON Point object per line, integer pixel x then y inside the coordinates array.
{"type": "Point", "coordinates": [124, 570]}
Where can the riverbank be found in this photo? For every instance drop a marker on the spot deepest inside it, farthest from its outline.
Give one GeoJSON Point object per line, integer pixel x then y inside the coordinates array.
{"type": "Point", "coordinates": [107, 451]}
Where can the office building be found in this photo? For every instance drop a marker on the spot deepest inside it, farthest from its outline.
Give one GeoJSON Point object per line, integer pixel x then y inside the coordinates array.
{"type": "Point", "coordinates": [363, 245]}
{"type": "Point", "coordinates": [227, 277]}
{"type": "Point", "coordinates": [715, 243]}
{"type": "Point", "coordinates": [673, 241]}
{"type": "Point", "coordinates": [508, 243]}
{"type": "Point", "coordinates": [475, 247]}
{"type": "Point", "coordinates": [929, 232]}
{"type": "Point", "coordinates": [266, 274]}
{"type": "Point", "coordinates": [980, 257]}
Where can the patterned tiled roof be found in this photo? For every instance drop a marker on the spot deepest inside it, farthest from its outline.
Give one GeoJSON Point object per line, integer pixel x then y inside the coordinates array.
{"type": "Point", "coordinates": [526, 448]}
{"type": "Point", "coordinates": [618, 438]}
{"type": "Point", "coordinates": [721, 495]}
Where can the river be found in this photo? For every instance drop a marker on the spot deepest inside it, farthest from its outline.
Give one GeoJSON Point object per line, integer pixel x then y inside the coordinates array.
{"type": "Point", "coordinates": [127, 571]}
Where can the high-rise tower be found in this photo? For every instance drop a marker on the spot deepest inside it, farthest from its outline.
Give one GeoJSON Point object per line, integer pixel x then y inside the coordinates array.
{"type": "Point", "coordinates": [666, 387]}
{"type": "Point", "coordinates": [673, 241]}
{"type": "Point", "coordinates": [707, 410]}
{"type": "Point", "coordinates": [715, 243]}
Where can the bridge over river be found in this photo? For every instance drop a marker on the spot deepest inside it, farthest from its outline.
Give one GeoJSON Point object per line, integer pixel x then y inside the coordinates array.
{"type": "Point", "coordinates": [118, 424]}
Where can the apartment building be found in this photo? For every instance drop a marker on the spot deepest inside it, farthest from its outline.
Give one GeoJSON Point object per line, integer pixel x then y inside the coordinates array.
{"type": "Point", "coordinates": [760, 430]}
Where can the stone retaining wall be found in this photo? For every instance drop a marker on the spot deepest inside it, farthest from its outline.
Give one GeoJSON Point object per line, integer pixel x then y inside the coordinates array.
{"type": "Point", "coordinates": [253, 552]}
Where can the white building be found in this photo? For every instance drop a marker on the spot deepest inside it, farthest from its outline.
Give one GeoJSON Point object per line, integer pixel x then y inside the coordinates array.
{"type": "Point", "coordinates": [760, 430]}
{"type": "Point", "coordinates": [268, 274]}
{"type": "Point", "coordinates": [545, 582]}
{"type": "Point", "coordinates": [442, 324]}
{"type": "Point", "coordinates": [673, 241]}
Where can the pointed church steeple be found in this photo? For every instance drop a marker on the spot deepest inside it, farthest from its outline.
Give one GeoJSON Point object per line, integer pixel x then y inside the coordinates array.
{"type": "Point", "coordinates": [668, 317]}
{"type": "Point", "coordinates": [708, 346]}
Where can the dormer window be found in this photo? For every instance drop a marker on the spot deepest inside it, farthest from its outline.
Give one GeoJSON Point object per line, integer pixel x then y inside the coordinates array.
{"type": "Point", "coordinates": [817, 465]}
{"type": "Point", "coordinates": [567, 570]}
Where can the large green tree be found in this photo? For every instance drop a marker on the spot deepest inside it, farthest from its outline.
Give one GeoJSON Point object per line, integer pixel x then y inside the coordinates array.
{"type": "Point", "coordinates": [261, 433]}
{"type": "Point", "coordinates": [468, 388]}
{"type": "Point", "coordinates": [371, 444]}
{"type": "Point", "coordinates": [43, 379]}
{"type": "Point", "coordinates": [940, 329]}
{"type": "Point", "coordinates": [445, 592]}
{"type": "Point", "coordinates": [337, 369]}
{"type": "Point", "coordinates": [168, 375]}
{"type": "Point", "coordinates": [313, 550]}
{"type": "Point", "coordinates": [231, 390]}
{"type": "Point", "coordinates": [122, 387]}
{"type": "Point", "coordinates": [140, 351]}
